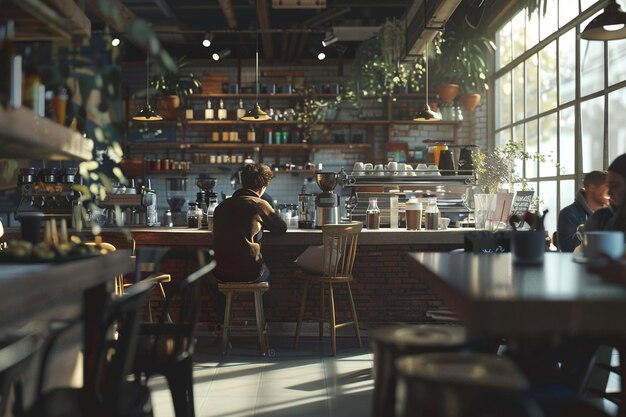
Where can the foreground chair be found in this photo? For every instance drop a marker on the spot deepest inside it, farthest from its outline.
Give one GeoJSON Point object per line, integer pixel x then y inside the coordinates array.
{"type": "Point", "coordinates": [166, 348]}
{"type": "Point", "coordinates": [339, 253]}
{"type": "Point", "coordinates": [113, 395]}
{"type": "Point", "coordinates": [16, 355]}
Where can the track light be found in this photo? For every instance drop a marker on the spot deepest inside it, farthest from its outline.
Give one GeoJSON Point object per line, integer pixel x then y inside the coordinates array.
{"type": "Point", "coordinates": [115, 41]}
{"type": "Point", "coordinates": [608, 25]}
{"type": "Point", "coordinates": [221, 54]}
{"type": "Point", "coordinates": [208, 38]}
{"type": "Point", "coordinates": [329, 39]}
{"type": "Point", "coordinates": [321, 55]}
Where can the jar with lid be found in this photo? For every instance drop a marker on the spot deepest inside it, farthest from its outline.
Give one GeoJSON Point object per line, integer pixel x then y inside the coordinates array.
{"type": "Point", "coordinates": [192, 216]}
{"type": "Point", "coordinates": [432, 214]}
{"type": "Point", "coordinates": [373, 214]}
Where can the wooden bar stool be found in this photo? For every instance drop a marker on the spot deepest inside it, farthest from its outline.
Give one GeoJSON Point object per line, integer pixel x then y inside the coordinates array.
{"type": "Point", "coordinates": [393, 342]}
{"type": "Point", "coordinates": [460, 384]}
{"type": "Point", "coordinates": [229, 289]}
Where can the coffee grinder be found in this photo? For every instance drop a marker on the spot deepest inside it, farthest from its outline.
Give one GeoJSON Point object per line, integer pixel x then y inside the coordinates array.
{"type": "Point", "coordinates": [327, 202]}
{"type": "Point", "coordinates": [205, 197]}
{"type": "Point", "coordinates": [175, 193]}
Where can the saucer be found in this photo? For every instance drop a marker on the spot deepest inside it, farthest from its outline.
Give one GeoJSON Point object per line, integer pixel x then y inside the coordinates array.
{"type": "Point", "coordinates": [579, 258]}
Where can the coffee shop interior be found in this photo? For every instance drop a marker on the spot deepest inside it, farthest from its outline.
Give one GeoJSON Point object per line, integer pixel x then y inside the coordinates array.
{"type": "Point", "coordinates": [421, 153]}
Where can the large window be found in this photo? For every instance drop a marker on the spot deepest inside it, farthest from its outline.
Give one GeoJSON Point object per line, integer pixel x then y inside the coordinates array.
{"type": "Point", "coordinates": [564, 96]}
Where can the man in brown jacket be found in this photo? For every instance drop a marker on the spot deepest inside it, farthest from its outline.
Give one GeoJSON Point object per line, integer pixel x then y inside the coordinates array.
{"type": "Point", "coordinates": [238, 225]}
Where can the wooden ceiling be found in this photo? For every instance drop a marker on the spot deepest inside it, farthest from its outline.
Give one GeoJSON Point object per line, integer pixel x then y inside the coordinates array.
{"type": "Point", "coordinates": [285, 34]}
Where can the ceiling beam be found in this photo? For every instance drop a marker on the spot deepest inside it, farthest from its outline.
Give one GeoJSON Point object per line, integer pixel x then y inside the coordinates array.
{"type": "Point", "coordinates": [301, 46]}
{"type": "Point", "coordinates": [284, 45]}
{"type": "Point", "coordinates": [229, 13]}
{"type": "Point", "coordinates": [169, 13]}
{"type": "Point", "coordinates": [262, 11]}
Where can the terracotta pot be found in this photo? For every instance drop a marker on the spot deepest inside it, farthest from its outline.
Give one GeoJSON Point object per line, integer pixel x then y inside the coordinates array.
{"type": "Point", "coordinates": [447, 92]}
{"type": "Point", "coordinates": [168, 106]}
{"type": "Point", "coordinates": [470, 101]}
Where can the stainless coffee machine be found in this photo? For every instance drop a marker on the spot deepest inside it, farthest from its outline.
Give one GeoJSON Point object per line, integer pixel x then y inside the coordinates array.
{"type": "Point", "coordinates": [49, 191]}
{"type": "Point", "coordinates": [327, 202]}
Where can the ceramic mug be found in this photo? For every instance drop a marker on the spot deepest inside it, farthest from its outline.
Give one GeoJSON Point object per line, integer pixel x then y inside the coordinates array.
{"type": "Point", "coordinates": [379, 169]}
{"type": "Point", "coordinates": [392, 167]}
{"type": "Point", "coordinates": [358, 168]}
{"type": "Point", "coordinates": [401, 169]}
{"type": "Point", "coordinates": [596, 243]}
{"type": "Point", "coordinates": [368, 168]}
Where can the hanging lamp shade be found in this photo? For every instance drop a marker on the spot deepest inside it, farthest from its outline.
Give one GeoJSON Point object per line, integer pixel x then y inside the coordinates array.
{"type": "Point", "coordinates": [608, 25]}
{"type": "Point", "coordinates": [426, 114]}
{"type": "Point", "coordinates": [146, 114]}
{"type": "Point", "coordinates": [256, 114]}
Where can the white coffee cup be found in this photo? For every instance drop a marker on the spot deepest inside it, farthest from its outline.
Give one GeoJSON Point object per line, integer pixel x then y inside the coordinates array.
{"type": "Point", "coordinates": [401, 168]}
{"type": "Point", "coordinates": [610, 243]}
{"type": "Point", "coordinates": [421, 169]}
{"type": "Point", "coordinates": [358, 168]}
{"type": "Point", "coordinates": [368, 168]}
{"type": "Point", "coordinates": [392, 167]}
{"type": "Point", "coordinates": [379, 169]}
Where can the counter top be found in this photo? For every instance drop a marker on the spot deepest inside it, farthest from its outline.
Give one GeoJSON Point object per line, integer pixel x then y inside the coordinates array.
{"type": "Point", "coordinates": [182, 236]}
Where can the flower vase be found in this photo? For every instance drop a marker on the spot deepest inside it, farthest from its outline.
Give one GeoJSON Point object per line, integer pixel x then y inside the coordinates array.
{"type": "Point", "coordinates": [484, 209]}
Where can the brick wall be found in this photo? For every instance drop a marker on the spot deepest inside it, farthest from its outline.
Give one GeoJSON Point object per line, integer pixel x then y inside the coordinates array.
{"type": "Point", "coordinates": [384, 289]}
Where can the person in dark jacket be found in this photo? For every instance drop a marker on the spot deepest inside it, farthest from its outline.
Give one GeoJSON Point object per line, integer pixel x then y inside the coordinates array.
{"type": "Point", "coordinates": [238, 225]}
{"type": "Point", "coordinates": [612, 217]}
{"type": "Point", "coordinates": [592, 196]}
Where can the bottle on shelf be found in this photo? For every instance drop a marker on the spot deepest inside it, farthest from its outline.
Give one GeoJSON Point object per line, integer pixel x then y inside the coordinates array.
{"type": "Point", "coordinates": [251, 136]}
{"type": "Point", "coordinates": [241, 111]}
{"type": "Point", "coordinates": [432, 215]}
{"type": "Point", "coordinates": [218, 158]}
{"type": "Point", "coordinates": [215, 136]}
{"type": "Point", "coordinates": [209, 113]}
{"type": "Point", "coordinates": [373, 214]}
{"type": "Point", "coordinates": [189, 112]}
{"type": "Point", "coordinates": [222, 114]}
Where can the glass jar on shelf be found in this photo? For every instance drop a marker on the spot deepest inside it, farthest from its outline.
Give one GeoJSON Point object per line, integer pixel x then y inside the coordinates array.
{"type": "Point", "coordinates": [373, 214]}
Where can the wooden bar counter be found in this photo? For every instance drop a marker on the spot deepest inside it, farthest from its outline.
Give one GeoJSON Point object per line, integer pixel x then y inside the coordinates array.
{"type": "Point", "coordinates": [384, 290]}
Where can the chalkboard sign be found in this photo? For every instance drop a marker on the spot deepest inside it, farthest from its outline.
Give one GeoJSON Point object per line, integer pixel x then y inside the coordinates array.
{"type": "Point", "coordinates": [521, 204]}
{"type": "Point", "coordinates": [152, 134]}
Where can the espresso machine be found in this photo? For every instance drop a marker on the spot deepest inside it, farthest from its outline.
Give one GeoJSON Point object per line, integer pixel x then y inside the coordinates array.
{"type": "Point", "coordinates": [176, 196]}
{"type": "Point", "coordinates": [205, 197]}
{"type": "Point", "coordinates": [49, 191]}
{"type": "Point", "coordinates": [327, 202]}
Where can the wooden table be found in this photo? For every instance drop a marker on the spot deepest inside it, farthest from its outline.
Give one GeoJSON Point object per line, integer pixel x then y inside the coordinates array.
{"type": "Point", "coordinates": [494, 297]}
{"type": "Point", "coordinates": [33, 292]}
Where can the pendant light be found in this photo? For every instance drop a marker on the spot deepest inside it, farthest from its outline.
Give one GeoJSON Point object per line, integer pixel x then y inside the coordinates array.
{"type": "Point", "coordinates": [256, 114]}
{"type": "Point", "coordinates": [146, 114]}
{"type": "Point", "coordinates": [608, 25]}
{"type": "Point", "coordinates": [426, 114]}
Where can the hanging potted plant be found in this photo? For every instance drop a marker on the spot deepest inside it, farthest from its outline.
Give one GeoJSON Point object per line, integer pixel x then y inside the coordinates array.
{"type": "Point", "coordinates": [173, 87]}
{"type": "Point", "coordinates": [462, 67]}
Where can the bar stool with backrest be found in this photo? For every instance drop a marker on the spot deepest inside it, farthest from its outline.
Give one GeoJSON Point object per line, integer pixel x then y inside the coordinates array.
{"type": "Point", "coordinates": [339, 253]}
{"type": "Point", "coordinates": [146, 269]}
{"type": "Point", "coordinates": [113, 395]}
{"type": "Point", "coordinates": [229, 289]}
{"type": "Point", "coordinates": [166, 348]}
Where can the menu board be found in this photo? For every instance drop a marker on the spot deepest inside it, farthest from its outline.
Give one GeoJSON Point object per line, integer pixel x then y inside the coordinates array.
{"type": "Point", "coordinates": [521, 204]}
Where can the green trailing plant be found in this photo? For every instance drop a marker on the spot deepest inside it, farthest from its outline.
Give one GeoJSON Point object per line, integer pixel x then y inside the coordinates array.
{"type": "Point", "coordinates": [461, 57]}
{"type": "Point", "coordinates": [377, 67]}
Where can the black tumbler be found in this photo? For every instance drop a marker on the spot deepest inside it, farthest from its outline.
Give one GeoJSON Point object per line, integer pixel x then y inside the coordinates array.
{"type": "Point", "coordinates": [466, 162]}
{"type": "Point", "coordinates": [31, 227]}
{"type": "Point", "coordinates": [446, 163]}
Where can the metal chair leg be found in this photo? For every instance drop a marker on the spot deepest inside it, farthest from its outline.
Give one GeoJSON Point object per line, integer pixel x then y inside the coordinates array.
{"type": "Point", "coordinates": [301, 314]}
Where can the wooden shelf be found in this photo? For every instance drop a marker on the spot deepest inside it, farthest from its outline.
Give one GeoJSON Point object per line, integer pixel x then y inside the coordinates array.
{"type": "Point", "coordinates": [240, 122]}
{"type": "Point", "coordinates": [340, 146]}
{"type": "Point", "coordinates": [38, 20]}
{"type": "Point", "coordinates": [353, 122]}
{"type": "Point", "coordinates": [184, 146]}
{"type": "Point", "coordinates": [26, 136]}
{"type": "Point", "coordinates": [245, 96]}
{"type": "Point", "coordinates": [437, 123]}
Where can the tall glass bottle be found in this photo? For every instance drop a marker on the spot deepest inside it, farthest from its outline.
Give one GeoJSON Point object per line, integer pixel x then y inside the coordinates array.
{"type": "Point", "coordinates": [373, 214]}
{"type": "Point", "coordinates": [241, 111]}
{"type": "Point", "coordinates": [209, 113]}
{"type": "Point", "coordinates": [221, 112]}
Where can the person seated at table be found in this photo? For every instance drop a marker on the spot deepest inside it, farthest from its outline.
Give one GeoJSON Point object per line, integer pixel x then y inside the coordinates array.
{"type": "Point", "coordinates": [237, 230]}
{"type": "Point", "coordinates": [612, 217]}
{"type": "Point", "coordinates": [591, 197]}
